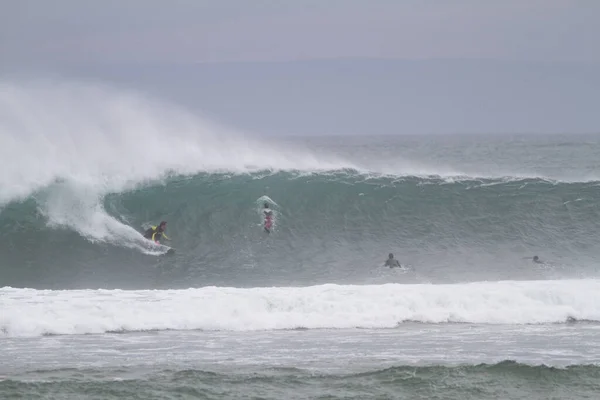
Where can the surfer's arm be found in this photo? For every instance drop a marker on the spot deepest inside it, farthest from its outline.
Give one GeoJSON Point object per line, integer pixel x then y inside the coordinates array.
{"type": "Point", "coordinates": [166, 237]}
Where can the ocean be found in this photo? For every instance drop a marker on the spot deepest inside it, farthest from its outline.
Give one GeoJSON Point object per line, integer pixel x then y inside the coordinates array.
{"type": "Point", "coordinates": [89, 310]}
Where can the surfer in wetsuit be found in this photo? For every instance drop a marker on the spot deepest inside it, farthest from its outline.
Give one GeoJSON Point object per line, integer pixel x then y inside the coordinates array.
{"type": "Point", "coordinates": [392, 262]}
{"type": "Point", "coordinates": [537, 260]}
{"type": "Point", "coordinates": [268, 218]}
{"type": "Point", "coordinates": [155, 233]}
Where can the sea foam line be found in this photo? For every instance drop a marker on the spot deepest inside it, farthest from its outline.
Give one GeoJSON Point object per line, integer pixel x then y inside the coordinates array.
{"type": "Point", "coordinates": [29, 312]}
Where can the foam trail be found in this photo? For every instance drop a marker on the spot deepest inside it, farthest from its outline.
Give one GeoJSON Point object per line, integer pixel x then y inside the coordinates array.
{"type": "Point", "coordinates": [66, 204]}
{"type": "Point", "coordinates": [28, 312]}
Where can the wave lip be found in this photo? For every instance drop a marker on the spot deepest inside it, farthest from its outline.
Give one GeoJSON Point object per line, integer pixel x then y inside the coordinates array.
{"type": "Point", "coordinates": [30, 312]}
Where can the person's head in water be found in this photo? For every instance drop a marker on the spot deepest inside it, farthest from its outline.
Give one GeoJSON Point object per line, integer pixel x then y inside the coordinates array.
{"type": "Point", "coordinates": [391, 256]}
{"type": "Point", "coordinates": [162, 226]}
{"type": "Point", "coordinates": [536, 258]}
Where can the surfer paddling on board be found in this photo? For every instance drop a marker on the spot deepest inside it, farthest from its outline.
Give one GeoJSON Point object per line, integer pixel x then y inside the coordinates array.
{"type": "Point", "coordinates": [534, 259]}
{"type": "Point", "coordinates": [156, 233]}
{"type": "Point", "coordinates": [268, 218]}
{"type": "Point", "coordinates": [392, 262]}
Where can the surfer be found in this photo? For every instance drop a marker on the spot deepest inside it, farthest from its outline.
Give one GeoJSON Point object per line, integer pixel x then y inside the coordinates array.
{"type": "Point", "coordinates": [537, 260]}
{"type": "Point", "coordinates": [155, 233]}
{"type": "Point", "coordinates": [392, 262]}
{"type": "Point", "coordinates": [268, 218]}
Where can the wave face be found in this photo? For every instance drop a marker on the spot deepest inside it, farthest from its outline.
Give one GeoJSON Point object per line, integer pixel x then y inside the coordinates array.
{"type": "Point", "coordinates": [329, 227]}
{"type": "Point", "coordinates": [88, 167]}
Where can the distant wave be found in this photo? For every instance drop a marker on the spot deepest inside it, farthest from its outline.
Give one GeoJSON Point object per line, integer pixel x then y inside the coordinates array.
{"type": "Point", "coordinates": [506, 379]}
{"type": "Point", "coordinates": [30, 312]}
{"type": "Point", "coordinates": [502, 367]}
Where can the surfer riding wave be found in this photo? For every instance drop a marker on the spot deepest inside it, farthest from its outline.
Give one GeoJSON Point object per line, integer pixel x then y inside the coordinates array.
{"type": "Point", "coordinates": [156, 233]}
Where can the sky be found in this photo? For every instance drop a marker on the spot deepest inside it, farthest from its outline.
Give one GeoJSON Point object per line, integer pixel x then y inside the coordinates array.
{"type": "Point", "coordinates": [183, 31]}
{"type": "Point", "coordinates": [107, 39]}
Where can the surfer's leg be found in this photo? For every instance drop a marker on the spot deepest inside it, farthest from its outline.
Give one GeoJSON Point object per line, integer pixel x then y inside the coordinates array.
{"type": "Point", "coordinates": [268, 224]}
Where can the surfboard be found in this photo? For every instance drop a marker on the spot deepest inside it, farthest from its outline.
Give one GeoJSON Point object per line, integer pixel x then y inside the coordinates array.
{"type": "Point", "coordinates": [165, 249]}
{"type": "Point", "coordinates": [160, 249]}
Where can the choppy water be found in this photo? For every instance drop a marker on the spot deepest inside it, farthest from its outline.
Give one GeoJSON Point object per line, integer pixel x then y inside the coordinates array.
{"type": "Point", "coordinates": [86, 168]}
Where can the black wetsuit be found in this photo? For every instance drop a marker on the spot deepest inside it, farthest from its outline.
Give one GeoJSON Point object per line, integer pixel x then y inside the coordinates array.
{"type": "Point", "coordinates": [154, 234]}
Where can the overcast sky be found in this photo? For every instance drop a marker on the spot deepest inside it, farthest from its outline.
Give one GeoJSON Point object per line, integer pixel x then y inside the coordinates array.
{"type": "Point", "coordinates": [541, 68]}
{"type": "Point", "coordinates": [249, 30]}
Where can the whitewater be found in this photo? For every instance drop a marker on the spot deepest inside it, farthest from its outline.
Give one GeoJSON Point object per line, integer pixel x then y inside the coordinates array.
{"type": "Point", "coordinates": [34, 312]}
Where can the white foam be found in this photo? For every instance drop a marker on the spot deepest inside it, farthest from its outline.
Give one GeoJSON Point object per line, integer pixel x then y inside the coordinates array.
{"type": "Point", "coordinates": [28, 312]}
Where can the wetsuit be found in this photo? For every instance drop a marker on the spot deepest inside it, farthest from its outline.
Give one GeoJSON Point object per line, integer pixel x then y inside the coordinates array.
{"type": "Point", "coordinates": [155, 233]}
